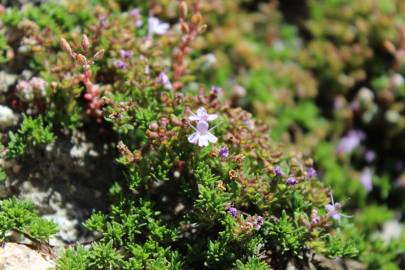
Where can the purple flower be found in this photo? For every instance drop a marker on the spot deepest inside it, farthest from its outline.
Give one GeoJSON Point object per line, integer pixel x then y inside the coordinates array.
{"type": "Point", "coordinates": [103, 20]}
{"type": "Point", "coordinates": [224, 152]}
{"type": "Point", "coordinates": [369, 156]}
{"type": "Point", "coordinates": [249, 123]}
{"type": "Point", "coordinates": [366, 179]}
{"type": "Point", "coordinates": [233, 211]}
{"type": "Point", "coordinates": [155, 26]}
{"type": "Point", "coordinates": [164, 80]}
{"type": "Point", "coordinates": [278, 171]}
{"type": "Point", "coordinates": [311, 172]}
{"type": "Point", "coordinates": [136, 16]}
{"type": "Point", "coordinates": [202, 135]}
{"type": "Point", "coordinates": [291, 181]}
{"type": "Point", "coordinates": [258, 222]}
{"type": "Point", "coordinates": [315, 218]}
{"type": "Point", "coordinates": [202, 115]}
{"type": "Point", "coordinates": [333, 210]}
{"type": "Point", "coordinates": [121, 64]}
{"type": "Point", "coordinates": [349, 142]}
{"type": "Point", "coordinates": [125, 54]}
{"type": "Point", "coordinates": [216, 90]}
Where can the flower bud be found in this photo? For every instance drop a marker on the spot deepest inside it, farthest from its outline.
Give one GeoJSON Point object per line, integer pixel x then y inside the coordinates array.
{"type": "Point", "coordinates": [184, 27]}
{"type": "Point", "coordinates": [183, 10]}
{"type": "Point", "coordinates": [81, 59]}
{"type": "Point", "coordinates": [65, 46]}
{"type": "Point", "coordinates": [99, 55]}
{"type": "Point", "coordinates": [85, 43]}
{"type": "Point", "coordinates": [196, 19]}
{"type": "Point", "coordinates": [389, 46]}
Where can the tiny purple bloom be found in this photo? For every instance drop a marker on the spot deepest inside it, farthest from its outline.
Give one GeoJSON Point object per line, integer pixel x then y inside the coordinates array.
{"type": "Point", "coordinates": [259, 222]}
{"type": "Point", "coordinates": [311, 172]}
{"type": "Point", "coordinates": [249, 124]}
{"type": "Point", "coordinates": [224, 152]}
{"type": "Point", "coordinates": [216, 90]}
{"type": "Point", "coordinates": [233, 211]}
{"type": "Point", "coordinates": [291, 181]}
{"type": "Point", "coordinates": [278, 171]}
{"type": "Point", "coordinates": [366, 179]}
{"type": "Point", "coordinates": [349, 142]}
{"type": "Point", "coordinates": [333, 210]}
{"type": "Point", "coordinates": [125, 54]}
{"type": "Point", "coordinates": [155, 26]}
{"type": "Point", "coordinates": [315, 217]}
{"type": "Point", "coordinates": [121, 64]}
{"type": "Point", "coordinates": [164, 80]}
{"type": "Point", "coordinates": [369, 156]}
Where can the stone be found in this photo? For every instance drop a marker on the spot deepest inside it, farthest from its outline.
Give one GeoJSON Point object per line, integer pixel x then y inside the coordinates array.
{"type": "Point", "coordinates": [20, 257]}
{"type": "Point", "coordinates": [7, 117]}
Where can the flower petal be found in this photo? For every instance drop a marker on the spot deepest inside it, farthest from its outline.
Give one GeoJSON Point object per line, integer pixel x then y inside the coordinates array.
{"type": "Point", "coordinates": [193, 138]}
{"type": "Point", "coordinates": [193, 118]}
{"type": "Point", "coordinates": [211, 117]}
{"type": "Point", "coordinates": [203, 141]}
{"type": "Point", "coordinates": [336, 216]}
{"type": "Point", "coordinates": [330, 207]}
{"type": "Point", "coordinates": [211, 137]}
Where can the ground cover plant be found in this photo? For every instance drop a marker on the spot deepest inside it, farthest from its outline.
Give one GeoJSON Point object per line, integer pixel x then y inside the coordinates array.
{"type": "Point", "coordinates": [204, 134]}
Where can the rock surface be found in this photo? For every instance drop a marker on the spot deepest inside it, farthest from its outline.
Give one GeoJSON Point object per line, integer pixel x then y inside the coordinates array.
{"type": "Point", "coordinates": [7, 117]}
{"type": "Point", "coordinates": [20, 257]}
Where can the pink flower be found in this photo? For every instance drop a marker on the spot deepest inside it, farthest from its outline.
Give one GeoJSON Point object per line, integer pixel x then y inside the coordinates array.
{"type": "Point", "coordinates": [155, 26]}
{"type": "Point", "coordinates": [24, 91]}
{"type": "Point", "coordinates": [202, 115]}
{"type": "Point", "coordinates": [202, 135]}
{"type": "Point", "coordinates": [38, 83]}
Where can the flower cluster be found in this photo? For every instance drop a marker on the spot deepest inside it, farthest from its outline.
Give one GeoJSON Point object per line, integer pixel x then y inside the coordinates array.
{"type": "Point", "coordinates": [29, 90]}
